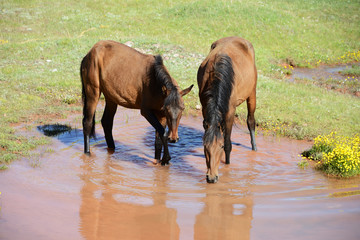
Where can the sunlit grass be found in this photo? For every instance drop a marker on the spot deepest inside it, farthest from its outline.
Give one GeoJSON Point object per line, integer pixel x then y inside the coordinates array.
{"type": "Point", "coordinates": [42, 43]}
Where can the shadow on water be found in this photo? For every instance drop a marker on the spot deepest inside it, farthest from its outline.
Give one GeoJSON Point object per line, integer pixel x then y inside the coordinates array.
{"type": "Point", "coordinates": [73, 136]}
{"type": "Point", "coordinates": [53, 130]}
{"type": "Point", "coordinates": [190, 140]}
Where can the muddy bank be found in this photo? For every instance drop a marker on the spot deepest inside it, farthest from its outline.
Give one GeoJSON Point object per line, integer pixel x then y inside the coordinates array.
{"type": "Point", "coordinates": [330, 77]}
{"type": "Point", "coordinates": [123, 195]}
{"type": "Point", "coordinates": [321, 72]}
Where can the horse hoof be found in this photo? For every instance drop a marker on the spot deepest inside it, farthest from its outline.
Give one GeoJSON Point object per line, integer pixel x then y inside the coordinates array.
{"type": "Point", "coordinates": [165, 160]}
{"type": "Point", "coordinates": [111, 150]}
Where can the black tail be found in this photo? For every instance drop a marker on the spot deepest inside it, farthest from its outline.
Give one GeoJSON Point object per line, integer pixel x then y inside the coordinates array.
{"type": "Point", "coordinates": [223, 82]}
{"type": "Point", "coordinates": [219, 95]}
{"type": "Point", "coordinates": [83, 70]}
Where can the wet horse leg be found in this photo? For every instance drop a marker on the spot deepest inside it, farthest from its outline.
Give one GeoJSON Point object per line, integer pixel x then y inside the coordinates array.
{"type": "Point", "coordinates": [89, 119]}
{"type": "Point", "coordinates": [227, 137]}
{"type": "Point", "coordinates": [107, 121]}
{"type": "Point", "coordinates": [158, 142]}
{"type": "Point", "coordinates": [152, 119]}
{"type": "Point", "coordinates": [251, 105]}
{"type": "Point", "coordinates": [158, 146]}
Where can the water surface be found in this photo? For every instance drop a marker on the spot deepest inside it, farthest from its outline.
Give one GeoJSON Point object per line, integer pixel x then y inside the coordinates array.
{"type": "Point", "coordinates": [125, 195]}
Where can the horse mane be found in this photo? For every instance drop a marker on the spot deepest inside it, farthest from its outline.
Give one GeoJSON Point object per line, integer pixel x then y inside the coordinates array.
{"type": "Point", "coordinates": [218, 96]}
{"type": "Point", "coordinates": [163, 78]}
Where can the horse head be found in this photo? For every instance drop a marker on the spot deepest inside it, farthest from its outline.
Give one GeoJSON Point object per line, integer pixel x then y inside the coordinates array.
{"type": "Point", "coordinates": [173, 108]}
{"type": "Point", "coordinates": [213, 150]}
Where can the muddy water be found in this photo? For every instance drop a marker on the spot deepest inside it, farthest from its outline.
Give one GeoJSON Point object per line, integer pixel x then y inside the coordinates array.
{"type": "Point", "coordinates": [321, 72]}
{"type": "Point", "coordinates": [124, 195]}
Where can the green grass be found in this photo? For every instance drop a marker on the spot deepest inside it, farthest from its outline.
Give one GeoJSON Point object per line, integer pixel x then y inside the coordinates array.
{"type": "Point", "coordinates": [354, 71]}
{"type": "Point", "coordinates": [42, 44]}
{"type": "Point", "coordinates": [303, 164]}
{"type": "Point", "coordinates": [303, 110]}
{"type": "Point", "coordinates": [350, 85]}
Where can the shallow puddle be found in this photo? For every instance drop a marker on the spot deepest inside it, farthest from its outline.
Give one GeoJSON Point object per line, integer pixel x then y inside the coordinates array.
{"type": "Point", "coordinates": [124, 195]}
{"type": "Point", "coordinates": [322, 72]}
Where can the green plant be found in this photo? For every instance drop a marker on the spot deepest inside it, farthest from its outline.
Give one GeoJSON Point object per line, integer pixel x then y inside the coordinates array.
{"type": "Point", "coordinates": [353, 72]}
{"type": "Point", "coordinates": [3, 167]}
{"type": "Point", "coordinates": [336, 155]}
{"type": "Point", "coordinates": [303, 164]}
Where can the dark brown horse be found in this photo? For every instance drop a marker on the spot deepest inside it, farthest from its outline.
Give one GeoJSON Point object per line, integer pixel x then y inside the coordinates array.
{"type": "Point", "coordinates": [130, 79]}
{"type": "Point", "coordinates": [226, 78]}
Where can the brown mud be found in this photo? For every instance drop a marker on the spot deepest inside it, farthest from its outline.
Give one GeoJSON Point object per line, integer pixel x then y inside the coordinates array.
{"type": "Point", "coordinates": [124, 195]}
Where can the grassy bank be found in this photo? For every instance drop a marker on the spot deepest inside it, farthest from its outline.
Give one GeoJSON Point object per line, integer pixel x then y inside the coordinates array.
{"type": "Point", "coordinates": [335, 155]}
{"type": "Point", "coordinates": [43, 42]}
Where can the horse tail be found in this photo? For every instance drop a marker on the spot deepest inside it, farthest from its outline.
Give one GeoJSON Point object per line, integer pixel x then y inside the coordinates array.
{"type": "Point", "coordinates": [88, 72]}
{"type": "Point", "coordinates": [223, 83]}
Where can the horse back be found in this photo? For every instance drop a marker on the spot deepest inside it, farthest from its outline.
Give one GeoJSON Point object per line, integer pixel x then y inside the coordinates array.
{"type": "Point", "coordinates": [242, 56]}
{"type": "Point", "coordinates": [119, 71]}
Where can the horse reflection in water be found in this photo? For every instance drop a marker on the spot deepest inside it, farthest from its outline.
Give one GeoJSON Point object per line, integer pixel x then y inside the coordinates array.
{"type": "Point", "coordinates": [116, 207]}
{"type": "Point", "coordinates": [226, 78]}
{"type": "Point", "coordinates": [106, 212]}
{"type": "Point", "coordinates": [229, 212]}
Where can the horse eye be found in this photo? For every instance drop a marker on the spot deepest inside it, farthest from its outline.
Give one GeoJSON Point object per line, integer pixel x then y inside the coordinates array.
{"type": "Point", "coordinates": [222, 146]}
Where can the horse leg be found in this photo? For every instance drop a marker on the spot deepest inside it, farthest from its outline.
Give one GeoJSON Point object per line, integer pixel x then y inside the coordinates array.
{"type": "Point", "coordinates": [152, 119]}
{"type": "Point", "coordinates": [107, 121]}
{"type": "Point", "coordinates": [158, 146]}
{"type": "Point", "coordinates": [158, 142]}
{"type": "Point", "coordinates": [227, 137]}
{"type": "Point", "coordinates": [89, 120]}
{"type": "Point", "coordinates": [251, 105]}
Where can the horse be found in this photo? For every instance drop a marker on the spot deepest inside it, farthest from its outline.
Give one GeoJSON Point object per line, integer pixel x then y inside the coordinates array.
{"type": "Point", "coordinates": [226, 78]}
{"type": "Point", "coordinates": [131, 79]}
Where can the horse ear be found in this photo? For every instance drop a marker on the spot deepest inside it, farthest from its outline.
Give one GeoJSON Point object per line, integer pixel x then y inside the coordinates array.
{"type": "Point", "coordinates": [213, 46]}
{"type": "Point", "coordinates": [186, 91]}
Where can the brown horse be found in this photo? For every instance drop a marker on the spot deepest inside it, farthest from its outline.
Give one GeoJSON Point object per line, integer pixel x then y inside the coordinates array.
{"type": "Point", "coordinates": [130, 79]}
{"type": "Point", "coordinates": [226, 78]}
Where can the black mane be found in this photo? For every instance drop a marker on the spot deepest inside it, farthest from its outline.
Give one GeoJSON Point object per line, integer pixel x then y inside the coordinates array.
{"type": "Point", "coordinates": [218, 96]}
{"type": "Point", "coordinates": [164, 79]}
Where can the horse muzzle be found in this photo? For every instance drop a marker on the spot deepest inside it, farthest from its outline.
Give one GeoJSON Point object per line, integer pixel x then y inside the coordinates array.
{"type": "Point", "coordinates": [173, 140]}
{"type": "Point", "coordinates": [212, 179]}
